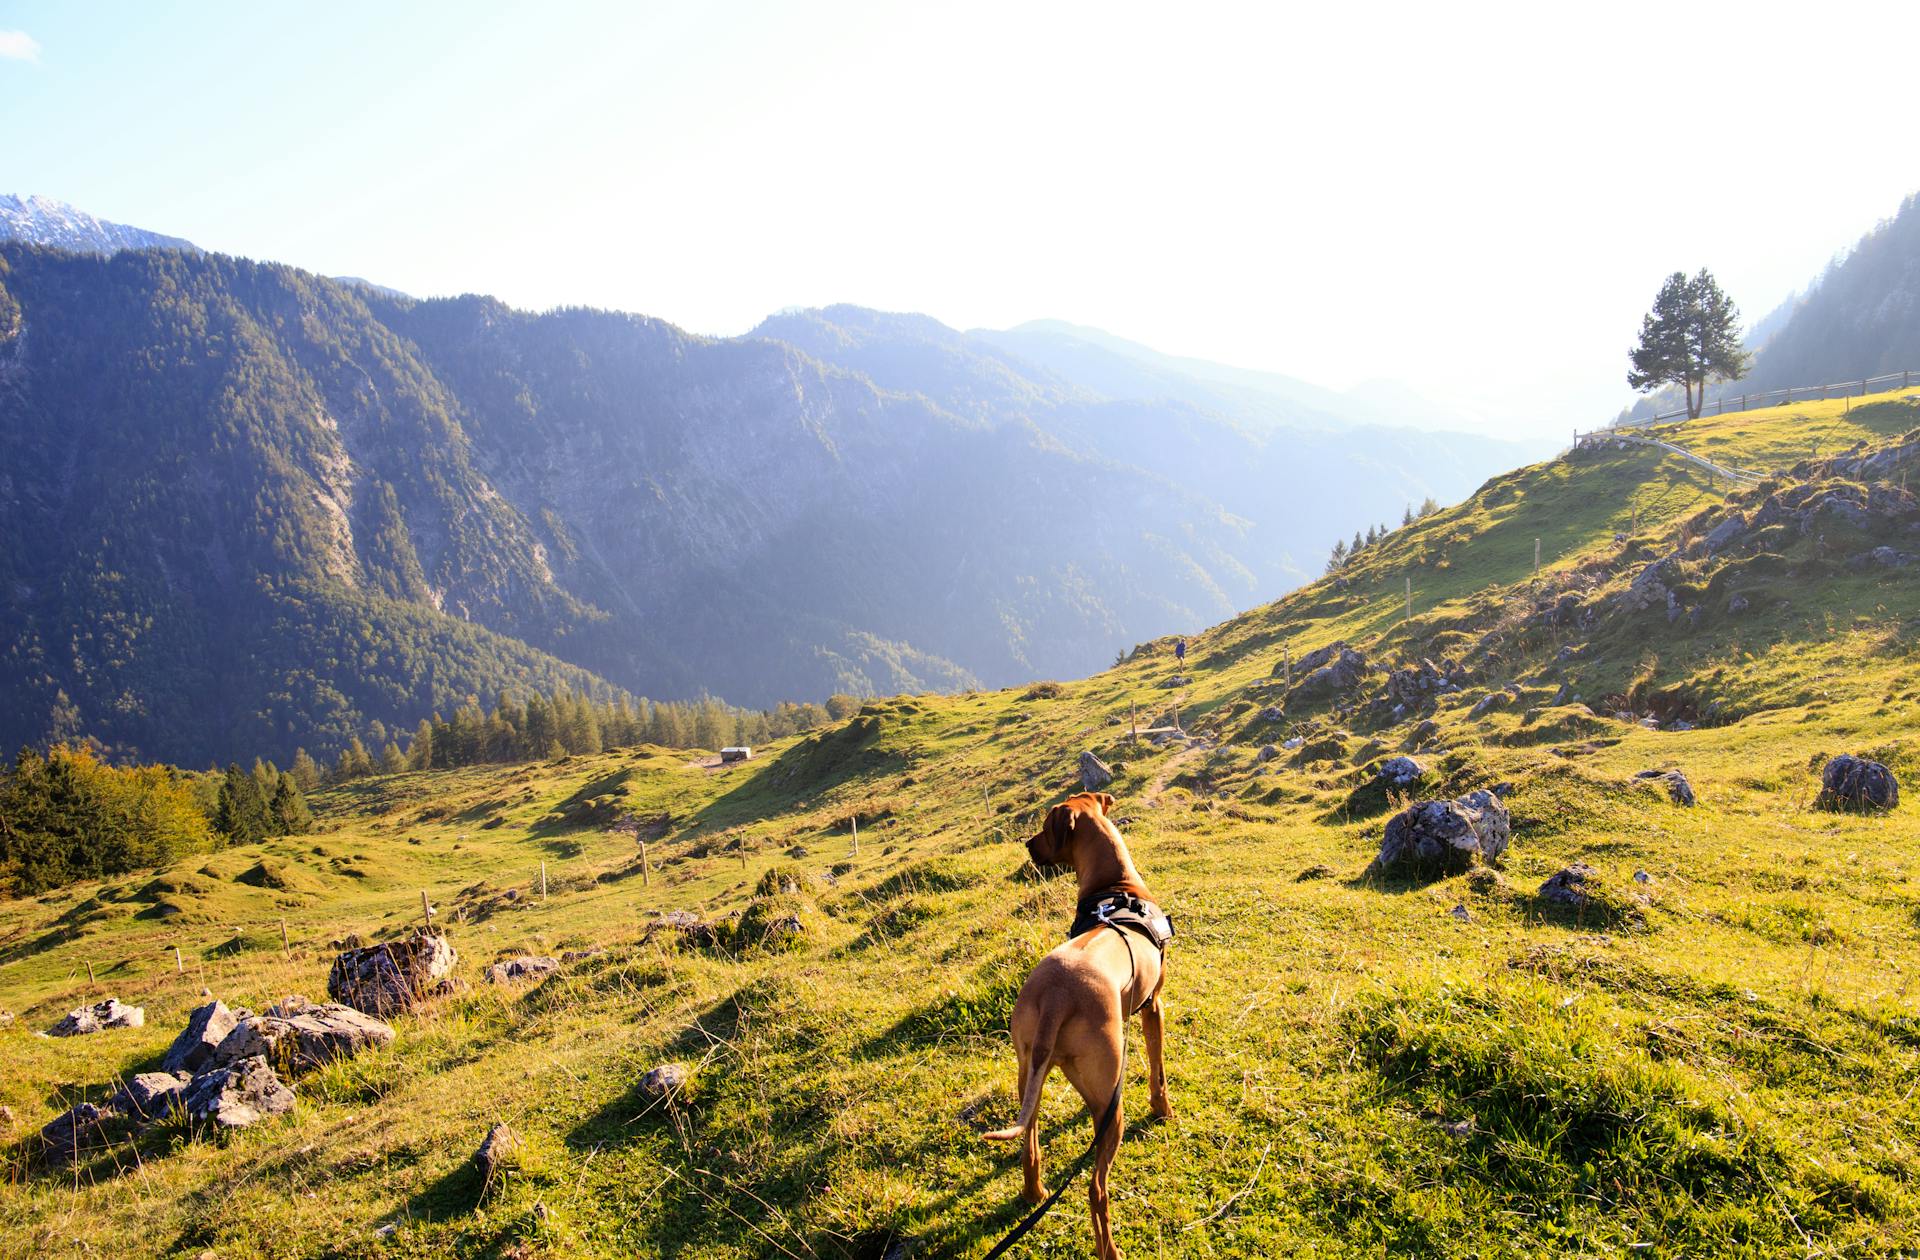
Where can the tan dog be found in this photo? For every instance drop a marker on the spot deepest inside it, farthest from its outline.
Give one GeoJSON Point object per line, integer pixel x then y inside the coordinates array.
{"type": "Point", "coordinates": [1073, 1009]}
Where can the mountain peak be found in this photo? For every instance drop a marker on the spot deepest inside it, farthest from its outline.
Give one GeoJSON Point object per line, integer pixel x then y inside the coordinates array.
{"type": "Point", "coordinates": [45, 221]}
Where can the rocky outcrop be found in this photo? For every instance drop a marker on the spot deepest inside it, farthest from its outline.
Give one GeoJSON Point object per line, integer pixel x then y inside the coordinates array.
{"type": "Point", "coordinates": [298, 1034]}
{"type": "Point", "coordinates": [1652, 588]}
{"type": "Point", "coordinates": [75, 1131]}
{"type": "Point", "coordinates": [525, 967]}
{"type": "Point", "coordinates": [1332, 671]}
{"type": "Point", "coordinates": [1413, 688]}
{"type": "Point", "coordinates": [1094, 773]}
{"type": "Point", "coordinates": [151, 1096]}
{"type": "Point", "coordinates": [199, 1042]}
{"type": "Point", "coordinates": [395, 976]}
{"type": "Point", "coordinates": [1857, 785]}
{"type": "Point", "coordinates": [1445, 835]}
{"type": "Point", "coordinates": [237, 1096]}
{"type": "Point", "coordinates": [98, 1018]}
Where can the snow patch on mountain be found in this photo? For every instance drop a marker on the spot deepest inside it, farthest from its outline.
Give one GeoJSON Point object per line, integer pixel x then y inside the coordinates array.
{"type": "Point", "coordinates": [44, 221]}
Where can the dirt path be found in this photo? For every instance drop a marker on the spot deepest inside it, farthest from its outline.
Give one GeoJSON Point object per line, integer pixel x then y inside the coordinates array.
{"type": "Point", "coordinates": [1151, 797]}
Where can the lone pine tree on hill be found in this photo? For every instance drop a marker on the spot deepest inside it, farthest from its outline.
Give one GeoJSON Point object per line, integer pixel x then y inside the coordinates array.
{"type": "Point", "coordinates": [1689, 338]}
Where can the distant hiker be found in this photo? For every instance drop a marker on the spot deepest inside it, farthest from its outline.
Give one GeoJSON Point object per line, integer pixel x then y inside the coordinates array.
{"type": "Point", "coordinates": [1180, 651]}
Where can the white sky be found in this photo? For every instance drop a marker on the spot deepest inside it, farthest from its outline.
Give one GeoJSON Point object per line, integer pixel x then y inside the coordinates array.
{"type": "Point", "coordinates": [1477, 200]}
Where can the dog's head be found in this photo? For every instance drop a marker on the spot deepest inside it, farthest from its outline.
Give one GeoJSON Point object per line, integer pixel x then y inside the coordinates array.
{"type": "Point", "coordinates": [1053, 845]}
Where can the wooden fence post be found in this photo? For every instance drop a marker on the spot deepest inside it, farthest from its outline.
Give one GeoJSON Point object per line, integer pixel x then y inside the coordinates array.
{"type": "Point", "coordinates": [179, 965]}
{"type": "Point", "coordinates": [646, 876]}
{"type": "Point", "coordinates": [426, 913]}
{"type": "Point", "coordinates": [855, 820]}
{"type": "Point", "coordinates": [543, 882]}
{"type": "Point", "coordinates": [286, 947]}
{"type": "Point", "coordinates": [1133, 721]}
{"type": "Point", "coordinates": [1536, 559]}
{"type": "Point", "coordinates": [1409, 597]}
{"type": "Point", "coordinates": [90, 972]}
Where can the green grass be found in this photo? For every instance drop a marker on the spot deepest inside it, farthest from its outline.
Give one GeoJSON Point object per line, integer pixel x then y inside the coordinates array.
{"type": "Point", "coordinates": [1732, 1068]}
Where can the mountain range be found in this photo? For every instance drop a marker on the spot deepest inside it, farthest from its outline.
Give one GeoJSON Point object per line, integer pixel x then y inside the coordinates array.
{"type": "Point", "coordinates": [251, 508]}
{"type": "Point", "coordinates": [45, 221]}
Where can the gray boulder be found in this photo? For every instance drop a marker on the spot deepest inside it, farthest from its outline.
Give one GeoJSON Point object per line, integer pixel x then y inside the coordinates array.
{"type": "Point", "coordinates": [1094, 773]}
{"type": "Point", "coordinates": [1334, 670]}
{"type": "Point", "coordinates": [524, 967]}
{"type": "Point", "coordinates": [298, 1034]}
{"type": "Point", "coordinates": [1489, 702]}
{"type": "Point", "coordinates": [1857, 784]}
{"type": "Point", "coordinates": [666, 1081]}
{"type": "Point", "coordinates": [498, 1153]}
{"type": "Point", "coordinates": [1574, 886]}
{"type": "Point", "coordinates": [394, 976]}
{"type": "Point", "coordinates": [99, 1018]}
{"type": "Point", "coordinates": [1726, 533]}
{"type": "Point", "coordinates": [1267, 753]}
{"type": "Point", "coordinates": [237, 1096]}
{"type": "Point", "coordinates": [1400, 772]}
{"type": "Point", "coordinates": [1273, 713]}
{"type": "Point", "coordinates": [80, 1128]}
{"type": "Point", "coordinates": [1679, 791]}
{"type": "Point", "coordinates": [151, 1095]}
{"type": "Point", "coordinates": [195, 1048]}
{"type": "Point", "coordinates": [1448, 835]}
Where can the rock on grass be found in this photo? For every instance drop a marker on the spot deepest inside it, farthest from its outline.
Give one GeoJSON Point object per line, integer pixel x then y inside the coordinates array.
{"type": "Point", "coordinates": [99, 1018]}
{"type": "Point", "coordinates": [1445, 835]}
{"type": "Point", "coordinates": [1857, 785]}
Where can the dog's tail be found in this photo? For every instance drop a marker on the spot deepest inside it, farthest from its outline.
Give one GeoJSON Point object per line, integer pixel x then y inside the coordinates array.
{"type": "Point", "coordinates": [1039, 1063]}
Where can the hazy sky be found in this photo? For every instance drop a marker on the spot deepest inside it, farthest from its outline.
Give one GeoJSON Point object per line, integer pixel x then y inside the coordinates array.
{"type": "Point", "coordinates": [1477, 200]}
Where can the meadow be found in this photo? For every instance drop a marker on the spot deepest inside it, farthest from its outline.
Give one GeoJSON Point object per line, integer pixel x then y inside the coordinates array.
{"type": "Point", "coordinates": [1722, 1057]}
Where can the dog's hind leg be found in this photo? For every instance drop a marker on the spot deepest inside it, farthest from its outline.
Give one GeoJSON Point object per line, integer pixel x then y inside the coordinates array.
{"type": "Point", "coordinates": [1153, 1023]}
{"type": "Point", "coordinates": [1097, 1075]}
{"type": "Point", "coordinates": [1032, 1191]}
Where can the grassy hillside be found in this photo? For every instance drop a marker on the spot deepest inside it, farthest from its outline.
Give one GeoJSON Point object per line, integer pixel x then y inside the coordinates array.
{"type": "Point", "coordinates": [1723, 1059]}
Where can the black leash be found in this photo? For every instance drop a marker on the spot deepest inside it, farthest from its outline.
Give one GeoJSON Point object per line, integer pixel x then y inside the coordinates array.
{"type": "Point", "coordinates": [1099, 1131]}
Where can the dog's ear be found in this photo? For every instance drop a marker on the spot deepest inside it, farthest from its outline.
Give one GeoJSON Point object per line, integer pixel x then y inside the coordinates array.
{"type": "Point", "coordinates": [1106, 801]}
{"type": "Point", "coordinates": [1060, 829]}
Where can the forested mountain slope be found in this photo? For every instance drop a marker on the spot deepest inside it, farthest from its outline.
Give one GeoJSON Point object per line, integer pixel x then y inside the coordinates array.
{"type": "Point", "coordinates": [1710, 1046]}
{"type": "Point", "coordinates": [252, 507]}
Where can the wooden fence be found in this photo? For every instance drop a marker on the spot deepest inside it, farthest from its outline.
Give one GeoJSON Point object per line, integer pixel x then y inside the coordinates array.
{"type": "Point", "coordinates": [1775, 398]}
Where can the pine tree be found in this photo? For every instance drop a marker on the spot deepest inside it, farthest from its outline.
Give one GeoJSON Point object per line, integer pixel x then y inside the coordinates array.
{"type": "Point", "coordinates": [392, 760]}
{"type": "Point", "coordinates": [241, 814]}
{"type": "Point", "coordinates": [306, 771]}
{"type": "Point", "coordinates": [291, 817]}
{"type": "Point", "coordinates": [1338, 559]}
{"type": "Point", "coordinates": [1428, 507]}
{"type": "Point", "coordinates": [1690, 338]}
{"type": "Point", "coordinates": [1406, 517]}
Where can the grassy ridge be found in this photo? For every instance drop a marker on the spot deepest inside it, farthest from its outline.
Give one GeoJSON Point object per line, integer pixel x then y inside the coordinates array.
{"type": "Point", "coordinates": [1730, 1067]}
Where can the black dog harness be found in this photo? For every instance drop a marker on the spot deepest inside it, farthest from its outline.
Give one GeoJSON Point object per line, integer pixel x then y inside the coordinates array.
{"type": "Point", "coordinates": [1128, 915]}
